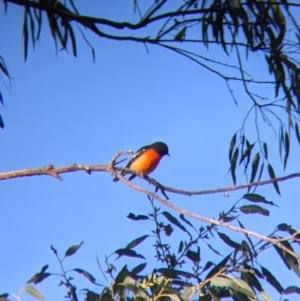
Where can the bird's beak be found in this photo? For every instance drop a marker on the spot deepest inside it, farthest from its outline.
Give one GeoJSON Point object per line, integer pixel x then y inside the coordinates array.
{"type": "Point", "coordinates": [168, 154]}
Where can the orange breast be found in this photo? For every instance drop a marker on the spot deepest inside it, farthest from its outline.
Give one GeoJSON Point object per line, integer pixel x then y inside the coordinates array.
{"type": "Point", "coordinates": [146, 162]}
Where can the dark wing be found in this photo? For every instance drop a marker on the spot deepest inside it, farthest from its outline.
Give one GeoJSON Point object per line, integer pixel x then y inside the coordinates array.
{"type": "Point", "coordinates": [138, 153]}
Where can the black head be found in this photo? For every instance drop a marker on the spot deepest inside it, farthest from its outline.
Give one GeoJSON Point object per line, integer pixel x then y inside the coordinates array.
{"type": "Point", "coordinates": [161, 148]}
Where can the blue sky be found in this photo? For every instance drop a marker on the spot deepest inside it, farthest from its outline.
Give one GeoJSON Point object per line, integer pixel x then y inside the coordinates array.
{"type": "Point", "coordinates": [65, 110]}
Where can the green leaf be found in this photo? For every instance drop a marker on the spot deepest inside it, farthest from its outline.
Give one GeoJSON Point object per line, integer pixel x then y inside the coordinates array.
{"type": "Point", "coordinates": [136, 290]}
{"type": "Point", "coordinates": [188, 293]}
{"type": "Point", "coordinates": [272, 176]}
{"type": "Point", "coordinates": [73, 249]}
{"type": "Point", "coordinates": [31, 290]}
{"type": "Point", "coordinates": [253, 209]}
{"type": "Point", "coordinates": [136, 242]}
{"type": "Point", "coordinates": [265, 296]}
{"type": "Point", "coordinates": [251, 280]}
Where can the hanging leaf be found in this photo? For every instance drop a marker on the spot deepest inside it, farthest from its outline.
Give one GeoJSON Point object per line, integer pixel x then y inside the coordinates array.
{"type": "Point", "coordinates": [255, 164]}
{"type": "Point", "coordinates": [228, 241]}
{"type": "Point", "coordinates": [231, 147]}
{"type": "Point", "coordinates": [272, 176]}
{"type": "Point", "coordinates": [287, 148]}
{"type": "Point", "coordinates": [272, 280]}
{"type": "Point", "coordinates": [233, 165]}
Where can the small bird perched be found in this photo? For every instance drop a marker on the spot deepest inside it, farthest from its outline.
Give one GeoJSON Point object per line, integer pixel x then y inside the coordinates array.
{"type": "Point", "coordinates": [146, 159]}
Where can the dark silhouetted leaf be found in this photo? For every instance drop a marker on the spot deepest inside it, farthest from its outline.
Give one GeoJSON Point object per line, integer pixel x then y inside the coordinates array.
{"type": "Point", "coordinates": [233, 165]}
{"type": "Point", "coordinates": [297, 132]}
{"type": "Point", "coordinates": [231, 147]}
{"type": "Point", "coordinates": [218, 267]}
{"type": "Point", "coordinates": [136, 242]}
{"type": "Point", "coordinates": [25, 34]}
{"type": "Point", "coordinates": [284, 227]}
{"type": "Point", "coordinates": [272, 176]}
{"type": "Point", "coordinates": [180, 36]}
{"type": "Point", "coordinates": [265, 146]}
{"type": "Point", "coordinates": [4, 297]}
{"type": "Point", "coordinates": [53, 250]}
{"type": "Point", "coordinates": [182, 217]}
{"type": "Point", "coordinates": [86, 274]}
{"type": "Point", "coordinates": [73, 249]}
{"type": "Point", "coordinates": [287, 148]}
{"type": "Point", "coordinates": [139, 268]}
{"type": "Point", "coordinates": [173, 220]}
{"type": "Point", "coordinates": [168, 230]}
{"type": "Point", "coordinates": [1, 123]}
{"type": "Point", "coordinates": [3, 67]}
{"type": "Point", "coordinates": [120, 278]}
{"type": "Point", "coordinates": [256, 198]}
{"type": "Point", "coordinates": [253, 209]}
{"type": "Point", "coordinates": [272, 280]}
{"type": "Point", "coordinates": [228, 241]}
{"type": "Point", "coordinates": [180, 248]}
{"type": "Point", "coordinates": [193, 256]}
{"type": "Point", "coordinates": [292, 290]}
{"type": "Point", "coordinates": [1, 99]}
{"type": "Point", "coordinates": [255, 164]}
{"type": "Point", "coordinates": [207, 266]}
{"type": "Point", "coordinates": [128, 252]}
{"type": "Point", "coordinates": [39, 277]}
{"type": "Point", "coordinates": [137, 217]}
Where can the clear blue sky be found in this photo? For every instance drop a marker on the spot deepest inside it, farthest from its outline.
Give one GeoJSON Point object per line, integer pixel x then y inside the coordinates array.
{"type": "Point", "coordinates": [65, 110]}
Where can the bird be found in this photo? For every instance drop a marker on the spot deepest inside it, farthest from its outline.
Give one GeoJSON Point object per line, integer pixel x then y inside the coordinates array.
{"type": "Point", "coordinates": [146, 159]}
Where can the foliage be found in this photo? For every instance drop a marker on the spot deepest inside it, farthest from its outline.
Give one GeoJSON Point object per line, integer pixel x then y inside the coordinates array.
{"type": "Point", "coordinates": [186, 273]}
